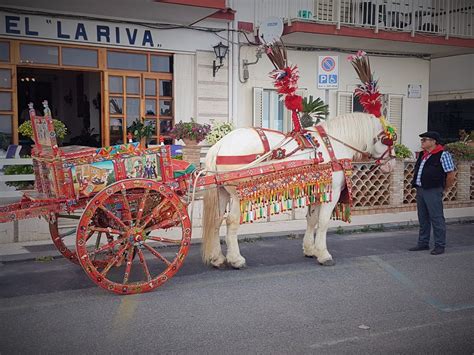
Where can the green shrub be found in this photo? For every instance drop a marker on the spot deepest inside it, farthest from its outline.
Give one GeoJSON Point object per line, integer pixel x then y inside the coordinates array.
{"type": "Point", "coordinates": [460, 150]}
{"type": "Point", "coordinates": [402, 151]}
{"type": "Point", "coordinates": [26, 130]}
{"type": "Point", "coordinates": [18, 170]}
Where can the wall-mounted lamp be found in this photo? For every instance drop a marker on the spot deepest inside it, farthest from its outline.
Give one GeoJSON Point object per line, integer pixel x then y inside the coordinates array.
{"type": "Point", "coordinates": [220, 51]}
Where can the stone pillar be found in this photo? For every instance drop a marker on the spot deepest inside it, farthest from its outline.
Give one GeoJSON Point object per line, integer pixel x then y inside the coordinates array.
{"type": "Point", "coordinates": [463, 180]}
{"type": "Point", "coordinates": [397, 183]}
{"type": "Point", "coordinates": [192, 154]}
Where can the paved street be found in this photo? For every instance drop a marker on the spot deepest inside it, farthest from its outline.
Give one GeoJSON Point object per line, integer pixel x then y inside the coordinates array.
{"type": "Point", "coordinates": [379, 298]}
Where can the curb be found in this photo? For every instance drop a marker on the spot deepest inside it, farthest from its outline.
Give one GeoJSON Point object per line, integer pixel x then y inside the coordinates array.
{"type": "Point", "coordinates": [341, 230]}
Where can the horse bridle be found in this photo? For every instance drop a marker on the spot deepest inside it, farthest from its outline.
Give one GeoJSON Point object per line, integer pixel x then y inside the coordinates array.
{"type": "Point", "coordinates": [384, 139]}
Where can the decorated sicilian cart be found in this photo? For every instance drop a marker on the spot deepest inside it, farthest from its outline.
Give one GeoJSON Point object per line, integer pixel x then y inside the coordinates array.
{"type": "Point", "coordinates": [125, 207]}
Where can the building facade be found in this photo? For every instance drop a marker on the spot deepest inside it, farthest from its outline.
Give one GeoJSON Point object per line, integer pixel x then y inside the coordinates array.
{"type": "Point", "coordinates": [104, 65]}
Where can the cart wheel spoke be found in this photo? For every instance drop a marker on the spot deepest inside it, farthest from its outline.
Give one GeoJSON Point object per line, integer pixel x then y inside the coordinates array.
{"type": "Point", "coordinates": [59, 232]}
{"type": "Point", "coordinates": [165, 240]}
{"type": "Point", "coordinates": [144, 265]}
{"type": "Point", "coordinates": [114, 260]}
{"type": "Point", "coordinates": [154, 213]}
{"type": "Point", "coordinates": [158, 255]}
{"type": "Point", "coordinates": [163, 224]}
{"type": "Point", "coordinates": [142, 206]}
{"type": "Point", "coordinates": [105, 230]}
{"type": "Point", "coordinates": [126, 206]}
{"type": "Point", "coordinates": [128, 267]}
{"type": "Point", "coordinates": [113, 217]}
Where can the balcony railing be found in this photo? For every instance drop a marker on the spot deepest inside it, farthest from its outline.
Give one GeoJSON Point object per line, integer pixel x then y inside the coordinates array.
{"type": "Point", "coordinates": [449, 18]}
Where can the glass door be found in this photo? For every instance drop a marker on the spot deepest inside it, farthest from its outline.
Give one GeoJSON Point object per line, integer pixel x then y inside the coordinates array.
{"type": "Point", "coordinates": [139, 96]}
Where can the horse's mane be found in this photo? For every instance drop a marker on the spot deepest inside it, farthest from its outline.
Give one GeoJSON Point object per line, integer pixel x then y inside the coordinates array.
{"type": "Point", "coordinates": [357, 129]}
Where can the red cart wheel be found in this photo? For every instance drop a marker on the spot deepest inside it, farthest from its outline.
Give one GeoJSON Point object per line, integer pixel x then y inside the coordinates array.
{"type": "Point", "coordinates": [147, 235]}
{"type": "Point", "coordinates": [60, 227]}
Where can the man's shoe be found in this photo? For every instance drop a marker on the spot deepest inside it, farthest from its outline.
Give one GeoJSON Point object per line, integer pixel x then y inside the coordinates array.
{"type": "Point", "coordinates": [418, 248]}
{"type": "Point", "coordinates": [437, 251]}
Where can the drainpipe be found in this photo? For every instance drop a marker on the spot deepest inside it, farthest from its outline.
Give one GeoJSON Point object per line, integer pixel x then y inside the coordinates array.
{"type": "Point", "coordinates": [447, 19]}
{"type": "Point", "coordinates": [233, 68]}
{"type": "Point", "coordinates": [338, 14]}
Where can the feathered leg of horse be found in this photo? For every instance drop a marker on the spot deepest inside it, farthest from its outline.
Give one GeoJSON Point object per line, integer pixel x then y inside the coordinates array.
{"type": "Point", "coordinates": [234, 258]}
{"type": "Point", "coordinates": [215, 202]}
{"type": "Point", "coordinates": [320, 250]}
{"type": "Point", "coordinates": [312, 218]}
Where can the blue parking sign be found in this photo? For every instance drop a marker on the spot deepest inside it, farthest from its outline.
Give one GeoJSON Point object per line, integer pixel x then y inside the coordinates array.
{"type": "Point", "coordinates": [323, 78]}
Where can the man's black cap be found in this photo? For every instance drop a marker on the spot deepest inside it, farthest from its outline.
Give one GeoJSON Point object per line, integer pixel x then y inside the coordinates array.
{"type": "Point", "coordinates": [431, 134]}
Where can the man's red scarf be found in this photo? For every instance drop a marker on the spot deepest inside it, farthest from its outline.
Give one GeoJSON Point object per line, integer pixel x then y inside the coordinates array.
{"type": "Point", "coordinates": [437, 149]}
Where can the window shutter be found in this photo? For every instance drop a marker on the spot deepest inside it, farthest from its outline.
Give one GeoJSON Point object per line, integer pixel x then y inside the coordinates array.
{"type": "Point", "coordinates": [344, 102]}
{"type": "Point", "coordinates": [257, 107]}
{"type": "Point", "coordinates": [394, 113]}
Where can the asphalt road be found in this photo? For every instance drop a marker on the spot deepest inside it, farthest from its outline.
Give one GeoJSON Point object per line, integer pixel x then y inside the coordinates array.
{"type": "Point", "coordinates": [379, 298]}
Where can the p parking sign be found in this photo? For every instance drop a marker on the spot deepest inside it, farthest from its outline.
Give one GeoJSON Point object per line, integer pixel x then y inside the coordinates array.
{"type": "Point", "coordinates": [328, 72]}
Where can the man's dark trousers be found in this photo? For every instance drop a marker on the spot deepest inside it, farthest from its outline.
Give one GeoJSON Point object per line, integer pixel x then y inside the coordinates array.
{"type": "Point", "coordinates": [430, 213]}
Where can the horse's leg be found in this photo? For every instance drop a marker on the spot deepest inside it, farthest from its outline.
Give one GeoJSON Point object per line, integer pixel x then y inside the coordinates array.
{"type": "Point", "coordinates": [320, 247]}
{"type": "Point", "coordinates": [311, 221]}
{"type": "Point", "coordinates": [212, 250]}
{"type": "Point", "coordinates": [234, 258]}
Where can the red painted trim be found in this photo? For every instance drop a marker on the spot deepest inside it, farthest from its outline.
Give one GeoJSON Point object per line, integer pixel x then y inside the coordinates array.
{"type": "Point", "coordinates": [236, 159]}
{"type": "Point", "coordinates": [212, 4]}
{"type": "Point", "coordinates": [226, 15]}
{"type": "Point", "coordinates": [245, 26]}
{"type": "Point", "coordinates": [316, 28]}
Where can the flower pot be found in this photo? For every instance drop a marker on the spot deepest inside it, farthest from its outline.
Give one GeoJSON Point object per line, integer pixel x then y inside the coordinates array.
{"type": "Point", "coordinates": [190, 142]}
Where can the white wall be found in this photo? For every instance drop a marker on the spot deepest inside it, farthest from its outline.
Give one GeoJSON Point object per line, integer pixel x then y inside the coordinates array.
{"type": "Point", "coordinates": [452, 75]}
{"type": "Point", "coordinates": [394, 76]}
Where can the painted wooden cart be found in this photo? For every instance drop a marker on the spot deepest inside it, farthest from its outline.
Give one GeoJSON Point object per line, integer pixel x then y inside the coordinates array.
{"type": "Point", "coordinates": [126, 206]}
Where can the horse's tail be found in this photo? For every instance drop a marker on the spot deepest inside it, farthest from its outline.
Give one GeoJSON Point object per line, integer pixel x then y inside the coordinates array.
{"type": "Point", "coordinates": [211, 219]}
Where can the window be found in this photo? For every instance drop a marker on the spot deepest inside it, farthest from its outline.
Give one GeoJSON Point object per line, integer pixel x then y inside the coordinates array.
{"type": "Point", "coordinates": [37, 54]}
{"type": "Point", "coordinates": [127, 61]}
{"type": "Point", "coordinates": [269, 111]}
{"type": "Point", "coordinates": [4, 51]}
{"type": "Point", "coordinates": [160, 63]}
{"type": "Point", "coordinates": [79, 57]}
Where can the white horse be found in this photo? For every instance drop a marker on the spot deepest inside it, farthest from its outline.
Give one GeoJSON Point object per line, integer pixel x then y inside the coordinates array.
{"type": "Point", "coordinates": [360, 132]}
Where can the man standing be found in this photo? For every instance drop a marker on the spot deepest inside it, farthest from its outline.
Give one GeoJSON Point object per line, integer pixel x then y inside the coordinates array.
{"type": "Point", "coordinates": [434, 173]}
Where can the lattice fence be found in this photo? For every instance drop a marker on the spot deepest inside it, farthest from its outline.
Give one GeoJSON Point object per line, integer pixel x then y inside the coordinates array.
{"type": "Point", "coordinates": [370, 188]}
{"type": "Point", "coordinates": [409, 193]}
{"type": "Point", "coordinates": [472, 182]}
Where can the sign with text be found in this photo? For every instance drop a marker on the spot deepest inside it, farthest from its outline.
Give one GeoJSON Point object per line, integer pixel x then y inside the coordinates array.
{"type": "Point", "coordinates": [98, 32]}
{"type": "Point", "coordinates": [414, 91]}
{"type": "Point", "coordinates": [328, 72]}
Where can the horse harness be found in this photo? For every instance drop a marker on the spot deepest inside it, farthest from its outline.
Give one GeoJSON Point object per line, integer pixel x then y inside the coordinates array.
{"type": "Point", "coordinates": [304, 141]}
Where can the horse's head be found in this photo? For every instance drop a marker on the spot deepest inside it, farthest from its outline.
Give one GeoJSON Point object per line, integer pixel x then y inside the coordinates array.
{"type": "Point", "coordinates": [383, 151]}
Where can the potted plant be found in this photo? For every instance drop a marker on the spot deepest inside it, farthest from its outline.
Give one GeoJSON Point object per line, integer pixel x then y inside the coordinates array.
{"type": "Point", "coordinates": [218, 131]}
{"type": "Point", "coordinates": [190, 132]}
{"type": "Point", "coordinates": [140, 131]}
{"type": "Point", "coordinates": [313, 111]}
{"type": "Point", "coordinates": [402, 151]}
{"type": "Point", "coordinates": [26, 129]}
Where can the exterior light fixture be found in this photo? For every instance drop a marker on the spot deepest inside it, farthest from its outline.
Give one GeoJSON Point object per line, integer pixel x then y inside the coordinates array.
{"type": "Point", "coordinates": [220, 51]}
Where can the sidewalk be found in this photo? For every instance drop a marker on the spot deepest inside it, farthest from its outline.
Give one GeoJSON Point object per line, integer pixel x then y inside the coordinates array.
{"type": "Point", "coordinates": [11, 252]}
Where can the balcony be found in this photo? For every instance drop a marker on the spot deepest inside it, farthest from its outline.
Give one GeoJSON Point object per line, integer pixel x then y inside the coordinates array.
{"type": "Point", "coordinates": [448, 18]}
{"type": "Point", "coordinates": [426, 28]}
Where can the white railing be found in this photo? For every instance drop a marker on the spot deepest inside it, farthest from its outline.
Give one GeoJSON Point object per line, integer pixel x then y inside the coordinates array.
{"type": "Point", "coordinates": [440, 17]}
{"type": "Point", "coordinates": [8, 191]}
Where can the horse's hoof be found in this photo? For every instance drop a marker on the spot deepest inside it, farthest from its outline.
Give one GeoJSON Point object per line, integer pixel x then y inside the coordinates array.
{"type": "Point", "coordinates": [220, 266]}
{"type": "Point", "coordinates": [238, 266]}
{"type": "Point", "coordinates": [219, 263]}
{"type": "Point", "coordinates": [329, 262]}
